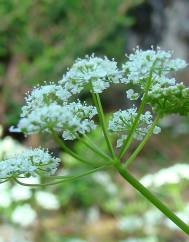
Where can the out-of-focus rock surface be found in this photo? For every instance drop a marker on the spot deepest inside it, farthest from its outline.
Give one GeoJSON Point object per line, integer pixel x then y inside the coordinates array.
{"type": "Point", "coordinates": [164, 23]}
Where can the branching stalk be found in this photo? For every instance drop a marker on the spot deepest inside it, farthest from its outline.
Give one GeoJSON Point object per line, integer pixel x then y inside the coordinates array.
{"type": "Point", "coordinates": [60, 142]}
{"type": "Point", "coordinates": [141, 145]}
{"type": "Point", "coordinates": [100, 111]}
{"type": "Point", "coordinates": [94, 148]}
{"type": "Point", "coordinates": [129, 139]}
{"type": "Point", "coordinates": [62, 179]}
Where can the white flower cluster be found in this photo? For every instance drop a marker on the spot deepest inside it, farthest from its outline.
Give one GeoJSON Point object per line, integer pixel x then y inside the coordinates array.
{"type": "Point", "coordinates": [24, 215]}
{"type": "Point", "coordinates": [170, 175]}
{"type": "Point", "coordinates": [28, 163]}
{"type": "Point", "coordinates": [70, 120]}
{"type": "Point", "coordinates": [93, 73]}
{"type": "Point", "coordinates": [47, 108]}
{"type": "Point", "coordinates": [44, 95]}
{"type": "Point", "coordinates": [123, 121]}
{"type": "Point", "coordinates": [155, 63]}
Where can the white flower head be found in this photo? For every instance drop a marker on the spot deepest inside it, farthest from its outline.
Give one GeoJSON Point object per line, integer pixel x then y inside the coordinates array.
{"type": "Point", "coordinates": [47, 200]}
{"type": "Point", "coordinates": [155, 62]}
{"type": "Point", "coordinates": [43, 96]}
{"type": "Point", "coordinates": [94, 73]}
{"type": "Point", "coordinates": [19, 193]}
{"type": "Point", "coordinates": [24, 215]}
{"type": "Point", "coordinates": [9, 146]}
{"type": "Point", "coordinates": [29, 163]}
{"type": "Point", "coordinates": [69, 119]}
{"type": "Point", "coordinates": [123, 121]}
{"type": "Point", "coordinates": [166, 176]}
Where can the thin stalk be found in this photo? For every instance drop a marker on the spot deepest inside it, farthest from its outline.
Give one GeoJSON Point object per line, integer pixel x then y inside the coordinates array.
{"type": "Point", "coordinates": [73, 178]}
{"type": "Point", "coordinates": [100, 111]}
{"type": "Point", "coordinates": [129, 139]}
{"type": "Point", "coordinates": [69, 151]}
{"type": "Point", "coordinates": [94, 148]}
{"type": "Point", "coordinates": [141, 145]}
{"type": "Point", "coordinates": [3, 181]}
{"type": "Point", "coordinates": [152, 198]}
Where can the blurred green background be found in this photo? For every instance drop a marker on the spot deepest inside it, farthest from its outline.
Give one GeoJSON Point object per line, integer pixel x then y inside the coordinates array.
{"type": "Point", "coordinates": [38, 41]}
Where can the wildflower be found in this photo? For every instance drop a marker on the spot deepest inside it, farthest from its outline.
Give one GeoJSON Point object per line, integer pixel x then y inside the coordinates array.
{"type": "Point", "coordinates": [29, 163]}
{"type": "Point", "coordinates": [155, 63]}
{"type": "Point", "coordinates": [123, 121]}
{"type": "Point", "coordinates": [92, 73]}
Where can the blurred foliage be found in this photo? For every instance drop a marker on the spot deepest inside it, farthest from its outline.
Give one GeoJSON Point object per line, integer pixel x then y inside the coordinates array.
{"type": "Point", "coordinates": [40, 39]}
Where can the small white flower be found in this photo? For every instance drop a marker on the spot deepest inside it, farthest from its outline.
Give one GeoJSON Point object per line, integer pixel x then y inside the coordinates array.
{"type": "Point", "coordinates": [132, 95]}
{"type": "Point", "coordinates": [95, 71]}
{"type": "Point", "coordinates": [24, 215]}
{"type": "Point", "coordinates": [28, 163]}
{"type": "Point", "coordinates": [123, 121]}
{"type": "Point", "coordinates": [141, 64]}
{"type": "Point", "coordinates": [47, 200]}
{"type": "Point", "coordinates": [157, 130]}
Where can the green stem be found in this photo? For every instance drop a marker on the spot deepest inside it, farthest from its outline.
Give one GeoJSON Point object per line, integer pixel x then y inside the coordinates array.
{"type": "Point", "coordinates": [62, 180]}
{"type": "Point", "coordinates": [141, 145]}
{"type": "Point", "coordinates": [153, 199]}
{"type": "Point", "coordinates": [98, 105]}
{"type": "Point", "coordinates": [86, 141]}
{"type": "Point", "coordinates": [4, 181]}
{"type": "Point", "coordinates": [69, 151]}
{"type": "Point", "coordinates": [129, 139]}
